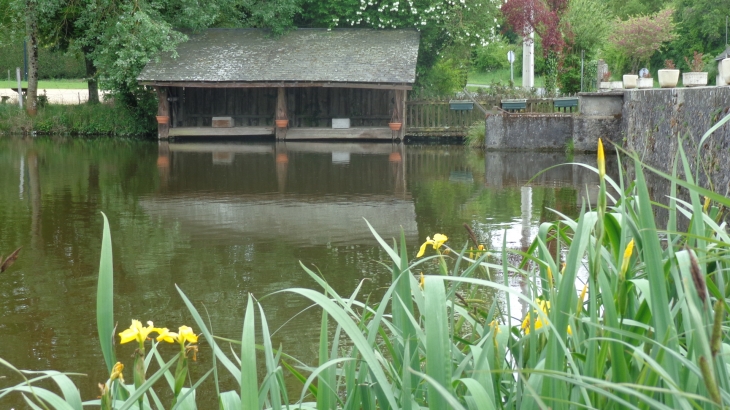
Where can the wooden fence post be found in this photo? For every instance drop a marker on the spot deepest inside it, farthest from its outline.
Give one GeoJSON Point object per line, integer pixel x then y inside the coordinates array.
{"type": "Point", "coordinates": [400, 101]}
{"type": "Point", "coordinates": [280, 112]}
{"type": "Point", "coordinates": [163, 110]}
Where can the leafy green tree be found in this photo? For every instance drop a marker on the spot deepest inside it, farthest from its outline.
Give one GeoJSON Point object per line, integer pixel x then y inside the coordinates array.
{"type": "Point", "coordinates": [700, 27]}
{"type": "Point", "coordinates": [590, 23]}
{"type": "Point", "coordinates": [22, 19]}
{"type": "Point", "coordinates": [625, 8]}
{"type": "Point", "coordinates": [277, 15]}
{"type": "Point", "coordinates": [120, 37]}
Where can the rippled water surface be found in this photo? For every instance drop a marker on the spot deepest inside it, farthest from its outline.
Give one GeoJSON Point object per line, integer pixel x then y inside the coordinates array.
{"type": "Point", "coordinates": [224, 220]}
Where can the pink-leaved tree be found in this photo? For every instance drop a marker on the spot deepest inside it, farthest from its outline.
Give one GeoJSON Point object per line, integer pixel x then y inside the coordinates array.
{"type": "Point", "coordinates": [639, 37]}
{"type": "Point", "coordinates": [524, 16]}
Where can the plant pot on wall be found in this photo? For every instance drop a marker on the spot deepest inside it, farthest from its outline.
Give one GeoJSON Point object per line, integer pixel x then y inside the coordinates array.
{"type": "Point", "coordinates": [163, 119]}
{"type": "Point", "coordinates": [630, 80]}
{"type": "Point", "coordinates": [604, 85]}
{"type": "Point", "coordinates": [645, 83]}
{"type": "Point", "coordinates": [395, 126]}
{"type": "Point", "coordinates": [668, 78]}
{"type": "Point", "coordinates": [282, 123]}
{"type": "Point", "coordinates": [694, 79]}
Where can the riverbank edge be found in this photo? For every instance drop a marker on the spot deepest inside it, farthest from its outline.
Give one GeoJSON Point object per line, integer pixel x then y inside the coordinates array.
{"type": "Point", "coordinates": [82, 120]}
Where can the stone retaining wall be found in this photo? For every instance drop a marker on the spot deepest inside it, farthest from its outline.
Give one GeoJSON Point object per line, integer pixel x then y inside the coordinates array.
{"type": "Point", "coordinates": [648, 122]}
{"type": "Point", "coordinates": [655, 121]}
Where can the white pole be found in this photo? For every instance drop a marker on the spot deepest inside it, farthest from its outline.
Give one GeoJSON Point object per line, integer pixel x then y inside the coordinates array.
{"type": "Point", "coordinates": [528, 61]}
{"type": "Point", "coordinates": [526, 208]}
{"type": "Point", "coordinates": [20, 88]}
{"type": "Point", "coordinates": [22, 176]}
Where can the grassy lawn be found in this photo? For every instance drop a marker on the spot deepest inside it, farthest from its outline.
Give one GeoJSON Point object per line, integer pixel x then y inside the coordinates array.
{"type": "Point", "coordinates": [49, 84]}
{"type": "Point", "coordinates": [487, 78]}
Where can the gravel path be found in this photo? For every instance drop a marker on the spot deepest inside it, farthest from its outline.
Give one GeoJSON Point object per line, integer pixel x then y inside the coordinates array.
{"type": "Point", "coordinates": [54, 96]}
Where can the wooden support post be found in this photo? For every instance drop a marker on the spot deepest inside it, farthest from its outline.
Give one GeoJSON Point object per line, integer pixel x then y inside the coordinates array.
{"type": "Point", "coordinates": [281, 112]}
{"type": "Point", "coordinates": [163, 110]}
{"type": "Point", "coordinates": [400, 100]}
{"type": "Point", "coordinates": [282, 164]}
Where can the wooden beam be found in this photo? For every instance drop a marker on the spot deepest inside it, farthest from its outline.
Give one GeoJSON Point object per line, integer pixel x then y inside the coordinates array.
{"type": "Point", "coordinates": [220, 132]}
{"type": "Point", "coordinates": [275, 84]}
{"type": "Point", "coordinates": [369, 133]}
{"type": "Point", "coordinates": [163, 109]}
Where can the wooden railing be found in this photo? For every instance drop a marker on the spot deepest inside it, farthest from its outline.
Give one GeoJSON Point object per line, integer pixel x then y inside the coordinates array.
{"type": "Point", "coordinates": [436, 118]}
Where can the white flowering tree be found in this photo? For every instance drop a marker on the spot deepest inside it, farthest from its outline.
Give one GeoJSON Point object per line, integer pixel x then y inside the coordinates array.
{"type": "Point", "coordinates": [449, 29]}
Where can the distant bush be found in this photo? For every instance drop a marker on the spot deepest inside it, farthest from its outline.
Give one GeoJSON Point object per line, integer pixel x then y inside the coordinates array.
{"type": "Point", "coordinates": [446, 77]}
{"type": "Point", "coordinates": [492, 56]}
{"type": "Point", "coordinates": [51, 64]}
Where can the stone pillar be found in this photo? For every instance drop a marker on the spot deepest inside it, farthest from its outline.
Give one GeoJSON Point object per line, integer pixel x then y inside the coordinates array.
{"type": "Point", "coordinates": [601, 69]}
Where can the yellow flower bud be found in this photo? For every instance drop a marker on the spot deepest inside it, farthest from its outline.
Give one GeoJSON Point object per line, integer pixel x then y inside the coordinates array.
{"type": "Point", "coordinates": [627, 257]}
{"type": "Point", "coordinates": [601, 160]}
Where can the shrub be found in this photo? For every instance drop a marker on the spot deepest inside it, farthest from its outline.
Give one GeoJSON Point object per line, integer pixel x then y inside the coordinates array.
{"type": "Point", "coordinates": [638, 38]}
{"type": "Point", "coordinates": [85, 119]}
{"type": "Point", "coordinates": [475, 136]}
{"type": "Point", "coordinates": [492, 56]}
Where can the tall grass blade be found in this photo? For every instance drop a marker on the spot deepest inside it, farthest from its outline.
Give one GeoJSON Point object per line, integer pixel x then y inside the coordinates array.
{"type": "Point", "coordinates": [438, 345]}
{"type": "Point", "coordinates": [651, 252]}
{"type": "Point", "coordinates": [105, 299]}
{"type": "Point", "coordinates": [355, 334]}
{"type": "Point", "coordinates": [249, 377]}
{"type": "Point", "coordinates": [225, 361]}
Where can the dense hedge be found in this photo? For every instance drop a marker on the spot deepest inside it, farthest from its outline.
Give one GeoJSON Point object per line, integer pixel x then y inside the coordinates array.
{"type": "Point", "coordinates": [85, 119]}
{"type": "Point", "coordinates": [51, 64]}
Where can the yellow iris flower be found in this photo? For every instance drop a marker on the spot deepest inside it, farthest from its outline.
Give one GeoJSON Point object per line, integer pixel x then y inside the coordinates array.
{"type": "Point", "coordinates": [436, 242]}
{"type": "Point", "coordinates": [184, 334]}
{"type": "Point", "coordinates": [137, 332]}
{"type": "Point", "coordinates": [545, 307]}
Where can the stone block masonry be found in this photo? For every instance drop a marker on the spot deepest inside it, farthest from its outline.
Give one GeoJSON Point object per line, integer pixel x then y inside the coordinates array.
{"type": "Point", "coordinates": [534, 132]}
{"type": "Point", "coordinates": [656, 121]}
{"type": "Point", "coordinates": [646, 121]}
{"type": "Point", "coordinates": [650, 122]}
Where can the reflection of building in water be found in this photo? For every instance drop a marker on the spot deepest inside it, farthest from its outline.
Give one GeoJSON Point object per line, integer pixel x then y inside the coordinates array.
{"type": "Point", "coordinates": [267, 191]}
{"type": "Point", "coordinates": [297, 220]}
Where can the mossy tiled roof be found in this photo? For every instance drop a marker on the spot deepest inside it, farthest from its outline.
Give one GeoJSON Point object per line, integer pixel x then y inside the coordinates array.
{"type": "Point", "coordinates": [317, 55]}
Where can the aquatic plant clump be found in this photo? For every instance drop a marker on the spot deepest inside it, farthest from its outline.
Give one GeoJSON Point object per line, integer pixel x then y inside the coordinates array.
{"type": "Point", "coordinates": [645, 330]}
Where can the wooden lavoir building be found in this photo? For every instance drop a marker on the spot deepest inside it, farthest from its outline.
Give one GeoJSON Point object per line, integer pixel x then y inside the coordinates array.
{"type": "Point", "coordinates": [238, 82]}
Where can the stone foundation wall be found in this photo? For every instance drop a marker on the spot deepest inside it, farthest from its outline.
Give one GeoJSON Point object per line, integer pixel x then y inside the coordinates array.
{"type": "Point", "coordinates": [655, 121]}
{"type": "Point", "coordinates": [649, 122]}
{"type": "Point", "coordinates": [533, 132]}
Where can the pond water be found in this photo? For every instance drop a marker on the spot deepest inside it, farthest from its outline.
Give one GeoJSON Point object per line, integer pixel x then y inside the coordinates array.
{"type": "Point", "coordinates": [222, 220]}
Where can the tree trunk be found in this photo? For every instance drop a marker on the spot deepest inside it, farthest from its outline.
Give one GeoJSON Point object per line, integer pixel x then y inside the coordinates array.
{"type": "Point", "coordinates": [91, 79]}
{"type": "Point", "coordinates": [31, 27]}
